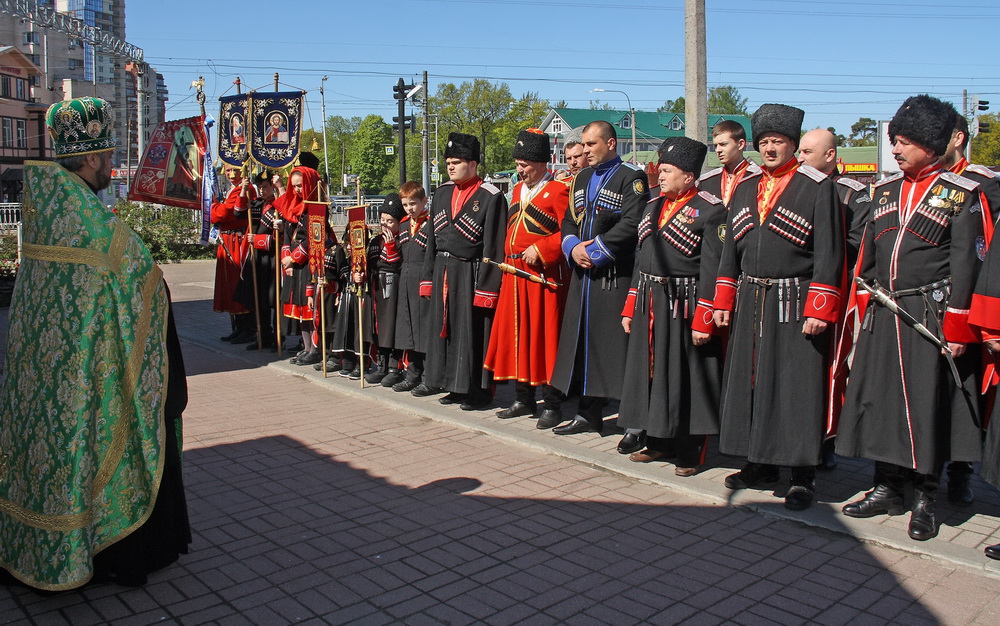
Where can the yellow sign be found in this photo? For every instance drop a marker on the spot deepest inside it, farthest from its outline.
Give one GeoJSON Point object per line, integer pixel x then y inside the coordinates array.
{"type": "Point", "coordinates": [860, 168]}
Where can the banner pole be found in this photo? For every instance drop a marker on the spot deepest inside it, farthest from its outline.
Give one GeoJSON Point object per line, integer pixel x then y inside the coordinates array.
{"type": "Point", "coordinates": [252, 256]}
{"type": "Point", "coordinates": [322, 317]}
{"type": "Point", "coordinates": [277, 286]}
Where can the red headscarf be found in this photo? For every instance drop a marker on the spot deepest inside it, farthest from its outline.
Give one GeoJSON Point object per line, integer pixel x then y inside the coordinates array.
{"type": "Point", "coordinates": [290, 204]}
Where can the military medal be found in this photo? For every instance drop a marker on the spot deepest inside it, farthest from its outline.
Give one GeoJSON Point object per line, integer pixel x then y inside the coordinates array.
{"type": "Point", "coordinates": [938, 295]}
{"type": "Point", "coordinates": [475, 206]}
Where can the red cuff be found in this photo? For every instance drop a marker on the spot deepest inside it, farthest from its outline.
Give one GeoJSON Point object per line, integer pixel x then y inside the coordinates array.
{"type": "Point", "coordinates": [262, 242]}
{"type": "Point", "coordinates": [725, 294]}
{"type": "Point", "coordinates": [823, 303]}
{"type": "Point", "coordinates": [425, 288]}
{"type": "Point", "coordinates": [299, 255]}
{"type": "Point", "coordinates": [703, 319]}
{"type": "Point", "coordinates": [956, 327]}
{"type": "Point", "coordinates": [485, 299]}
{"type": "Point", "coordinates": [310, 290]}
{"type": "Point", "coordinates": [984, 313]}
{"type": "Point", "coordinates": [629, 309]}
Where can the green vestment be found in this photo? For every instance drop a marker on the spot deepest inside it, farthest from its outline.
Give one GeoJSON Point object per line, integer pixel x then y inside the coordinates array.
{"type": "Point", "coordinates": [82, 402]}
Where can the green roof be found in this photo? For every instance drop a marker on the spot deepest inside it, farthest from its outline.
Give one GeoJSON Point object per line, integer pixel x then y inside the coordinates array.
{"type": "Point", "coordinates": [649, 125]}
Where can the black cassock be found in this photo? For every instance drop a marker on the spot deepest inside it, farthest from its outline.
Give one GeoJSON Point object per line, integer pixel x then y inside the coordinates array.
{"type": "Point", "coordinates": [779, 272]}
{"type": "Point", "coordinates": [902, 405]}
{"type": "Point", "coordinates": [411, 309]}
{"type": "Point", "coordinates": [671, 386]}
{"type": "Point", "coordinates": [345, 333]}
{"type": "Point", "coordinates": [463, 290]}
{"type": "Point", "coordinates": [985, 315]}
{"type": "Point", "coordinates": [592, 342]}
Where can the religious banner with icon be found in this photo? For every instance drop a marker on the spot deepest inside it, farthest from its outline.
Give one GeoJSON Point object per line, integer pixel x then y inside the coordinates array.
{"type": "Point", "coordinates": [170, 171]}
{"type": "Point", "coordinates": [358, 230]}
{"type": "Point", "coordinates": [316, 210]}
{"type": "Point", "coordinates": [233, 129]}
{"type": "Point", "coordinates": [274, 125]}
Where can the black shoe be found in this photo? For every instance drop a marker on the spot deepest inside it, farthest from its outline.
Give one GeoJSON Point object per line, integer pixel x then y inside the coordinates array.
{"type": "Point", "coordinates": [422, 391]}
{"type": "Point", "coordinates": [578, 426]}
{"type": "Point", "coordinates": [230, 336]}
{"type": "Point", "coordinates": [376, 376]}
{"type": "Point", "coordinates": [993, 551]}
{"type": "Point", "coordinates": [799, 497]}
{"type": "Point", "coordinates": [753, 476]}
{"type": "Point", "coordinates": [549, 419]}
{"type": "Point", "coordinates": [631, 443]}
{"type": "Point", "coordinates": [329, 366]}
{"type": "Point", "coordinates": [267, 344]}
{"type": "Point", "coordinates": [406, 385]}
{"type": "Point", "coordinates": [309, 358]}
{"type": "Point", "coordinates": [452, 398]}
{"type": "Point", "coordinates": [922, 524]}
{"type": "Point", "coordinates": [295, 359]}
{"type": "Point", "coordinates": [882, 500]}
{"type": "Point", "coordinates": [518, 409]}
{"type": "Point", "coordinates": [394, 376]}
{"type": "Point", "coordinates": [354, 374]}
{"type": "Point", "coordinates": [476, 401]}
{"type": "Point", "coordinates": [245, 336]}
{"type": "Point", "coordinates": [960, 489]}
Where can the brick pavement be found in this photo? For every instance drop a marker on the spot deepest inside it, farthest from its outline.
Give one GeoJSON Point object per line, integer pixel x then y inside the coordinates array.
{"type": "Point", "coordinates": [351, 506]}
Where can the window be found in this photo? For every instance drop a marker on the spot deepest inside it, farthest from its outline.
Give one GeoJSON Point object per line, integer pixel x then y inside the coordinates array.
{"type": "Point", "coordinates": [21, 126]}
{"type": "Point", "coordinates": [626, 122]}
{"type": "Point", "coordinates": [557, 125]}
{"type": "Point", "coordinates": [74, 44]}
{"type": "Point", "coordinates": [20, 89]}
{"type": "Point", "coordinates": [7, 134]}
{"type": "Point", "coordinates": [5, 86]}
{"type": "Point", "coordinates": [30, 38]}
{"type": "Point", "coordinates": [676, 124]}
{"type": "Point", "coordinates": [36, 80]}
{"type": "Point", "coordinates": [75, 64]}
{"type": "Point", "coordinates": [35, 58]}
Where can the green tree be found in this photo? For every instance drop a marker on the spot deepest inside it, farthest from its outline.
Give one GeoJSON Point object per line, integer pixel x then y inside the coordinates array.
{"type": "Point", "coordinates": [597, 105]}
{"type": "Point", "coordinates": [863, 132]}
{"type": "Point", "coordinates": [726, 100]}
{"type": "Point", "coordinates": [367, 157]}
{"type": "Point", "coordinates": [841, 140]}
{"type": "Point", "coordinates": [528, 112]}
{"type": "Point", "coordinates": [986, 146]}
{"type": "Point", "coordinates": [673, 106]}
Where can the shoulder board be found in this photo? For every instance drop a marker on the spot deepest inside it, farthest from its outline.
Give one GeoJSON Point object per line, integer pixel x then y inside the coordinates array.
{"type": "Point", "coordinates": [850, 182]}
{"type": "Point", "coordinates": [445, 184]}
{"type": "Point", "coordinates": [490, 188]}
{"type": "Point", "coordinates": [637, 168]}
{"type": "Point", "coordinates": [889, 179]}
{"type": "Point", "coordinates": [812, 173]}
{"type": "Point", "coordinates": [652, 200]}
{"type": "Point", "coordinates": [982, 170]}
{"type": "Point", "coordinates": [710, 198]}
{"type": "Point", "coordinates": [961, 181]}
{"type": "Point", "coordinates": [752, 169]}
{"type": "Point", "coordinates": [711, 173]}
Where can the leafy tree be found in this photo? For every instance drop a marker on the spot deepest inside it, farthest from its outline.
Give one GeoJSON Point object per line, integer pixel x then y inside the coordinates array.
{"type": "Point", "coordinates": [597, 105]}
{"type": "Point", "coordinates": [672, 106]}
{"type": "Point", "coordinates": [562, 104]}
{"type": "Point", "coordinates": [726, 100]}
{"type": "Point", "coordinates": [528, 112]}
{"type": "Point", "coordinates": [841, 140]}
{"type": "Point", "coordinates": [986, 146]}
{"type": "Point", "coordinates": [368, 158]}
{"type": "Point", "coordinates": [863, 132]}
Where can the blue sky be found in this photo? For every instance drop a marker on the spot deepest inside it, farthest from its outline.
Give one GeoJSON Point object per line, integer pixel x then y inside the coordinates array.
{"type": "Point", "coordinates": [837, 61]}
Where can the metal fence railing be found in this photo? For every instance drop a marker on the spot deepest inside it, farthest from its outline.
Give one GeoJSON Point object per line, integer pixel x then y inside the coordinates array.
{"type": "Point", "coordinates": [10, 215]}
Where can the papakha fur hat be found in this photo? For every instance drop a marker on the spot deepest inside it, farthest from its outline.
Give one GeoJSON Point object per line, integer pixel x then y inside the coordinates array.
{"type": "Point", "coordinates": [686, 154]}
{"type": "Point", "coordinates": [777, 118]}
{"type": "Point", "coordinates": [926, 121]}
{"type": "Point", "coordinates": [533, 145]}
{"type": "Point", "coordinates": [462, 146]}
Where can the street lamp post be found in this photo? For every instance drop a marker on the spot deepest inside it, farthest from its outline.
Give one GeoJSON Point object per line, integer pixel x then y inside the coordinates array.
{"type": "Point", "coordinates": [631, 111]}
{"type": "Point", "coordinates": [326, 155]}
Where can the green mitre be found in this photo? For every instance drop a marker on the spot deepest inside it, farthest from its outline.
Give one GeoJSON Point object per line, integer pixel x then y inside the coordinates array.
{"type": "Point", "coordinates": [81, 126]}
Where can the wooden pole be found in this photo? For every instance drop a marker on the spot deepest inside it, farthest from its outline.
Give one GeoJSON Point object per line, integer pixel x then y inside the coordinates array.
{"type": "Point", "coordinates": [322, 317]}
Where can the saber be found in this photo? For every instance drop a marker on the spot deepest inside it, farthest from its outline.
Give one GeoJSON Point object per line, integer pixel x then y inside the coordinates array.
{"type": "Point", "coordinates": [510, 269]}
{"type": "Point", "coordinates": [882, 298]}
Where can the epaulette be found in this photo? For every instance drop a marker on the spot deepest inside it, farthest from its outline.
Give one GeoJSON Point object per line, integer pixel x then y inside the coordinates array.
{"type": "Point", "coordinates": [634, 166]}
{"type": "Point", "coordinates": [708, 197]}
{"type": "Point", "coordinates": [490, 188]}
{"type": "Point", "coordinates": [711, 173]}
{"type": "Point", "coordinates": [812, 173]}
{"type": "Point", "coordinates": [961, 181]}
{"type": "Point", "coordinates": [445, 184]}
{"type": "Point", "coordinates": [889, 179]}
{"type": "Point", "coordinates": [982, 170]}
{"type": "Point", "coordinates": [847, 181]}
{"type": "Point", "coordinates": [653, 199]}
{"type": "Point", "coordinates": [752, 169]}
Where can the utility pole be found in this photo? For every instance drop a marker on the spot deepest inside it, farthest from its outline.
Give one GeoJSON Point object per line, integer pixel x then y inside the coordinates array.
{"type": "Point", "coordinates": [402, 123]}
{"type": "Point", "coordinates": [695, 72]}
{"type": "Point", "coordinates": [425, 138]}
{"type": "Point", "coordinates": [326, 154]}
{"type": "Point", "coordinates": [140, 99]}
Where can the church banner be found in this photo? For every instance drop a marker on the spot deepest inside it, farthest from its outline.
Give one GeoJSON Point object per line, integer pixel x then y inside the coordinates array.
{"type": "Point", "coordinates": [275, 123]}
{"type": "Point", "coordinates": [209, 185]}
{"type": "Point", "coordinates": [170, 171]}
{"type": "Point", "coordinates": [233, 129]}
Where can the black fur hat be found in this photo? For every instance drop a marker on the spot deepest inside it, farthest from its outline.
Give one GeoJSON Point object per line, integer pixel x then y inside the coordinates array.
{"type": "Point", "coordinates": [777, 118]}
{"type": "Point", "coordinates": [462, 146]}
{"type": "Point", "coordinates": [533, 145]}
{"type": "Point", "coordinates": [926, 121]}
{"type": "Point", "coordinates": [308, 159]}
{"type": "Point", "coordinates": [686, 154]}
{"type": "Point", "coordinates": [393, 206]}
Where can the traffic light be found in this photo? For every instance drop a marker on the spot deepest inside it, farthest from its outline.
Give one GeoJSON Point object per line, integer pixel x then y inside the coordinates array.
{"type": "Point", "coordinates": [409, 123]}
{"type": "Point", "coordinates": [981, 105]}
{"type": "Point", "coordinates": [984, 126]}
{"type": "Point", "coordinates": [400, 89]}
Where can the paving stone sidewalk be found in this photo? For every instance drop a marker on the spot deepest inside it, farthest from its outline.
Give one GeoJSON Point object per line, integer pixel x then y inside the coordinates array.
{"type": "Point", "coordinates": [323, 503]}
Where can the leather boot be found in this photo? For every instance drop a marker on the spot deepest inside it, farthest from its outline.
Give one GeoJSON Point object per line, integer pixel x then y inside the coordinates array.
{"type": "Point", "coordinates": [380, 372]}
{"type": "Point", "coordinates": [922, 526]}
{"type": "Point", "coordinates": [960, 483]}
{"type": "Point", "coordinates": [394, 376]}
{"type": "Point", "coordinates": [882, 500]}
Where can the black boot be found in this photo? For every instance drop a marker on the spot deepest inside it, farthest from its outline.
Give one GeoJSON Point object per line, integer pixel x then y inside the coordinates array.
{"type": "Point", "coordinates": [381, 370]}
{"type": "Point", "coordinates": [922, 526]}
{"type": "Point", "coordinates": [882, 500]}
{"type": "Point", "coordinates": [802, 489]}
{"type": "Point", "coordinates": [394, 376]}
